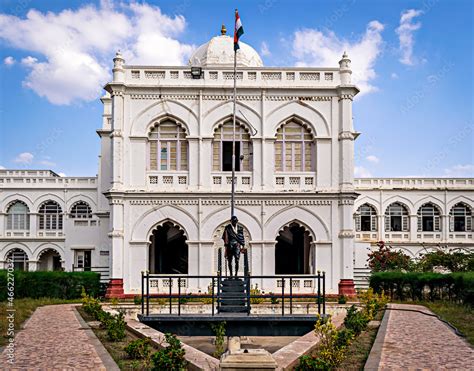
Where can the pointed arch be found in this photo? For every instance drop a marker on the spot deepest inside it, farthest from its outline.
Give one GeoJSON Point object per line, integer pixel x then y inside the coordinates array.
{"type": "Point", "coordinates": [12, 198]}
{"type": "Point", "coordinates": [367, 200]}
{"type": "Point", "coordinates": [304, 111]}
{"type": "Point", "coordinates": [430, 199]}
{"type": "Point", "coordinates": [162, 108]}
{"type": "Point", "coordinates": [399, 199]}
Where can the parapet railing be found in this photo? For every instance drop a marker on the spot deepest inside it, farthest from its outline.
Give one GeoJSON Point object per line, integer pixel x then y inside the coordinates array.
{"type": "Point", "coordinates": [215, 286]}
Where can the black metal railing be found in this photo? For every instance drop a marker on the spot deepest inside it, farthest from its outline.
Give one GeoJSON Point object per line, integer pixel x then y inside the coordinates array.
{"type": "Point", "coordinates": [176, 297]}
{"type": "Point", "coordinates": [103, 271]}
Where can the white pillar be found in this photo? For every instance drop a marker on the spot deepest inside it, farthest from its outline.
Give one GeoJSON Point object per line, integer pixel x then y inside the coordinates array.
{"type": "Point", "coordinates": [413, 227]}
{"type": "Point", "coordinates": [193, 162]}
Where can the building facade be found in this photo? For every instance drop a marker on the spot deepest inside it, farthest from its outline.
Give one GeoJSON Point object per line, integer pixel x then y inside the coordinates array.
{"type": "Point", "coordinates": [161, 198]}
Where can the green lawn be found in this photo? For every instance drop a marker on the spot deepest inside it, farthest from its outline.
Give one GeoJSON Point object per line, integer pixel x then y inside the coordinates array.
{"type": "Point", "coordinates": [460, 316]}
{"type": "Point", "coordinates": [24, 308]}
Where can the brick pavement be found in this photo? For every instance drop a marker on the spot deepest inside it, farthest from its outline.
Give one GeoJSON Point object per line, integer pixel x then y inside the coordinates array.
{"type": "Point", "coordinates": [54, 338]}
{"type": "Point", "coordinates": [411, 340]}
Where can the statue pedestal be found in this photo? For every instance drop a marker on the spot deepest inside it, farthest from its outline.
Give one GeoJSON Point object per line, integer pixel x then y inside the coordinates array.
{"type": "Point", "coordinates": [347, 287]}
{"type": "Point", "coordinates": [245, 359]}
{"type": "Point", "coordinates": [115, 289]}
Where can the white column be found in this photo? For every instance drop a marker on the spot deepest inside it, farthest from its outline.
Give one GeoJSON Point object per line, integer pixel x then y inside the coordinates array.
{"type": "Point", "coordinates": [413, 227]}
{"type": "Point", "coordinates": [445, 227]}
{"type": "Point", "coordinates": [193, 162]}
{"type": "Point", "coordinates": [268, 163]}
{"type": "Point", "coordinates": [257, 163]}
{"type": "Point", "coordinates": [206, 162]}
{"type": "Point", "coordinates": [137, 263]}
{"type": "Point", "coordinates": [193, 265]}
{"type": "Point", "coordinates": [381, 227]}
{"type": "Point", "coordinates": [3, 218]}
{"type": "Point", "coordinates": [268, 266]}
{"type": "Point", "coordinates": [33, 265]}
{"type": "Point", "coordinates": [34, 225]}
{"type": "Point", "coordinates": [117, 240]}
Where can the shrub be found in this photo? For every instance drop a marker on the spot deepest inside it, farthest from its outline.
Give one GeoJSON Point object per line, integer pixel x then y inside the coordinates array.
{"type": "Point", "coordinates": [138, 349]}
{"type": "Point", "coordinates": [116, 327]}
{"type": "Point", "coordinates": [255, 291]}
{"type": "Point", "coordinates": [387, 259]}
{"type": "Point", "coordinates": [274, 300]}
{"type": "Point", "coordinates": [171, 357]}
{"type": "Point", "coordinates": [451, 260]}
{"type": "Point", "coordinates": [90, 305]}
{"type": "Point", "coordinates": [137, 300]}
{"type": "Point", "coordinates": [61, 285]}
{"type": "Point", "coordinates": [219, 331]}
{"type": "Point", "coordinates": [425, 285]}
{"type": "Point", "coordinates": [341, 299]}
{"type": "Point", "coordinates": [372, 302]}
{"type": "Point", "coordinates": [356, 320]}
{"type": "Point", "coordinates": [330, 350]}
{"type": "Point", "coordinates": [308, 362]}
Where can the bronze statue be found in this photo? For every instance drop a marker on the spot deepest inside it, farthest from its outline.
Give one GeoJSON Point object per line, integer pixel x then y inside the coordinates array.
{"type": "Point", "coordinates": [234, 243]}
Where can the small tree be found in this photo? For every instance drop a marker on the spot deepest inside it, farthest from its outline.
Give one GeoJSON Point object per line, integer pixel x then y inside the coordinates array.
{"type": "Point", "coordinates": [171, 357]}
{"type": "Point", "coordinates": [387, 259]}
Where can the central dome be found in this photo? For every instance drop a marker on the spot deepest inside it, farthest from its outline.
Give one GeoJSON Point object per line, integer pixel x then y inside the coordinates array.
{"type": "Point", "coordinates": [219, 51]}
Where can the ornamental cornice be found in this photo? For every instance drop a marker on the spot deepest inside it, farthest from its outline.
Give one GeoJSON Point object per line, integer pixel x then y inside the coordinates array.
{"type": "Point", "coordinates": [117, 93]}
{"type": "Point", "coordinates": [116, 134]}
{"type": "Point", "coordinates": [227, 202]}
{"type": "Point", "coordinates": [347, 135]}
{"type": "Point", "coordinates": [162, 96]}
{"type": "Point", "coordinates": [297, 202]}
{"type": "Point", "coordinates": [116, 233]}
{"type": "Point", "coordinates": [346, 233]}
{"type": "Point", "coordinates": [346, 96]}
{"type": "Point", "coordinates": [163, 202]}
{"type": "Point", "coordinates": [225, 97]}
{"type": "Point", "coordinates": [346, 201]}
{"type": "Point", "coordinates": [298, 98]}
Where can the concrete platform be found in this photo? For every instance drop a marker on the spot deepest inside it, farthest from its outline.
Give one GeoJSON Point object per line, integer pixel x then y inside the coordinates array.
{"type": "Point", "coordinates": [237, 324]}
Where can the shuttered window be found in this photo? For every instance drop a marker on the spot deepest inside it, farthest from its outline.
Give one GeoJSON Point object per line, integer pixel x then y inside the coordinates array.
{"type": "Point", "coordinates": [294, 148]}
{"type": "Point", "coordinates": [18, 217]}
{"type": "Point", "coordinates": [222, 148]}
{"type": "Point", "coordinates": [460, 218]}
{"type": "Point", "coordinates": [396, 218]}
{"type": "Point", "coordinates": [168, 147]}
{"type": "Point", "coordinates": [50, 216]}
{"type": "Point", "coordinates": [81, 210]}
{"type": "Point", "coordinates": [366, 219]}
{"type": "Point", "coordinates": [429, 218]}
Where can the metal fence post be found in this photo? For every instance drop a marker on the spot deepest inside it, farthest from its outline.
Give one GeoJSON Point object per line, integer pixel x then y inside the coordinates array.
{"type": "Point", "coordinates": [212, 294]}
{"type": "Point", "coordinates": [324, 292]}
{"type": "Point", "coordinates": [171, 302]}
{"type": "Point", "coordinates": [291, 295]}
{"type": "Point", "coordinates": [282, 296]}
{"type": "Point", "coordinates": [143, 293]}
{"type": "Point", "coordinates": [179, 296]}
{"type": "Point", "coordinates": [319, 292]}
{"type": "Point", "coordinates": [147, 293]}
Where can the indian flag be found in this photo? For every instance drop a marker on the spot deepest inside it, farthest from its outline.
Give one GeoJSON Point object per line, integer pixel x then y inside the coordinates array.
{"type": "Point", "coordinates": [238, 31]}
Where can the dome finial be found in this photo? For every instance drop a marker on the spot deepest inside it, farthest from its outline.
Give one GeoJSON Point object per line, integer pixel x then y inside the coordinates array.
{"type": "Point", "coordinates": [223, 29]}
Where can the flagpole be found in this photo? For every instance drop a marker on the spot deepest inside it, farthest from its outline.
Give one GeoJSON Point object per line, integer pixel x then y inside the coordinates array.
{"type": "Point", "coordinates": [232, 197]}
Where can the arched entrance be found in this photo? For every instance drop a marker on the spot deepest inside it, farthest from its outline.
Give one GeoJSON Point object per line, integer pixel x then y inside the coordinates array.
{"type": "Point", "coordinates": [292, 250]}
{"type": "Point", "coordinates": [168, 250]}
{"type": "Point", "coordinates": [49, 260]}
{"type": "Point", "coordinates": [18, 258]}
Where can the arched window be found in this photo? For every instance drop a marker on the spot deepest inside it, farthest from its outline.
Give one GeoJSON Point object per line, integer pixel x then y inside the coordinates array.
{"type": "Point", "coordinates": [396, 218]}
{"type": "Point", "coordinates": [18, 258]}
{"type": "Point", "coordinates": [460, 218]}
{"type": "Point", "coordinates": [50, 216]}
{"type": "Point", "coordinates": [18, 217]}
{"type": "Point", "coordinates": [81, 210]}
{"type": "Point", "coordinates": [222, 148]}
{"type": "Point", "coordinates": [366, 219]}
{"type": "Point", "coordinates": [168, 147]}
{"type": "Point", "coordinates": [294, 148]}
{"type": "Point", "coordinates": [429, 218]}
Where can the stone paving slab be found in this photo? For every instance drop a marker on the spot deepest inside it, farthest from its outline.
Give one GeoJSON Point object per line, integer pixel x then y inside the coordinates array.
{"type": "Point", "coordinates": [409, 340]}
{"type": "Point", "coordinates": [54, 338]}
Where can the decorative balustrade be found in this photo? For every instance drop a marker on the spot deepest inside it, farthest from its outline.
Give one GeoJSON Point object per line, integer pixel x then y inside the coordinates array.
{"type": "Point", "coordinates": [223, 180]}
{"type": "Point", "coordinates": [168, 180]}
{"type": "Point", "coordinates": [295, 181]}
{"type": "Point", "coordinates": [257, 77]}
{"type": "Point", "coordinates": [47, 181]}
{"type": "Point", "coordinates": [411, 183]}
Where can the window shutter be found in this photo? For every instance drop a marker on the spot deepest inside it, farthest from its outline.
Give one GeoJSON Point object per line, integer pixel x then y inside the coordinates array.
{"type": "Point", "coordinates": [387, 223]}
{"type": "Point", "coordinates": [404, 223]}
{"type": "Point", "coordinates": [437, 225]}
{"type": "Point", "coordinates": [451, 223]}
{"type": "Point", "coordinates": [420, 223]}
{"type": "Point", "coordinates": [468, 223]}
{"type": "Point", "coordinates": [357, 222]}
{"type": "Point", "coordinates": [373, 223]}
{"type": "Point", "coordinates": [10, 221]}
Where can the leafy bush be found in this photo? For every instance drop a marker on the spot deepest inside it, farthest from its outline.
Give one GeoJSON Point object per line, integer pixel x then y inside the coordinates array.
{"type": "Point", "coordinates": [138, 349]}
{"type": "Point", "coordinates": [372, 302]}
{"type": "Point", "coordinates": [356, 320]}
{"type": "Point", "coordinates": [255, 291]}
{"type": "Point", "coordinates": [425, 285]}
{"type": "Point", "coordinates": [219, 331]}
{"type": "Point", "coordinates": [387, 259]}
{"type": "Point", "coordinates": [331, 349]}
{"type": "Point", "coordinates": [90, 305]}
{"type": "Point", "coordinates": [341, 299]}
{"type": "Point", "coordinates": [308, 362]}
{"type": "Point", "coordinates": [171, 357]}
{"type": "Point", "coordinates": [451, 260]}
{"type": "Point", "coordinates": [137, 300]}
{"type": "Point", "coordinates": [116, 327]}
{"type": "Point", "coordinates": [61, 285]}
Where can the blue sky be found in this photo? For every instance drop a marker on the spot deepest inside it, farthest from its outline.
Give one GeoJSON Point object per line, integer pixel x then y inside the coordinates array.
{"type": "Point", "coordinates": [412, 59]}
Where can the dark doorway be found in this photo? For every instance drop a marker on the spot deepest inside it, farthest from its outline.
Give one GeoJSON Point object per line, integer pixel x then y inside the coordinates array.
{"type": "Point", "coordinates": [168, 250]}
{"type": "Point", "coordinates": [227, 156]}
{"type": "Point", "coordinates": [292, 250]}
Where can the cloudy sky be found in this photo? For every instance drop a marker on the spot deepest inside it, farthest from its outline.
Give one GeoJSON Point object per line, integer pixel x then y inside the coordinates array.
{"type": "Point", "coordinates": [413, 61]}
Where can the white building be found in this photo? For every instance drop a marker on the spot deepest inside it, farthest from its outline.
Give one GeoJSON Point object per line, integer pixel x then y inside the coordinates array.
{"type": "Point", "coordinates": [161, 197]}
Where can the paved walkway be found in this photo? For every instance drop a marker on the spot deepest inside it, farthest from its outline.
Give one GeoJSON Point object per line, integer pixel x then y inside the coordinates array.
{"type": "Point", "coordinates": [411, 340]}
{"type": "Point", "coordinates": [54, 338]}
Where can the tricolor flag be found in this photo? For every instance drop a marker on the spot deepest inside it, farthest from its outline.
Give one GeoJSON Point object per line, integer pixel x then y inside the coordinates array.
{"type": "Point", "coordinates": [238, 31]}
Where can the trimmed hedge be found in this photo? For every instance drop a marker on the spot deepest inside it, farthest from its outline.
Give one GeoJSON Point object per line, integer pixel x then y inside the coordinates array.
{"type": "Point", "coordinates": [425, 285]}
{"type": "Point", "coordinates": [61, 285]}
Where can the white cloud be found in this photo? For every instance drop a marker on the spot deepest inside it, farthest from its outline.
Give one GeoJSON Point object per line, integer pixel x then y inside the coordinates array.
{"type": "Point", "coordinates": [373, 159]}
{"type": "Point", "coordinates": [324, 49]}
{"type": "Point", "coordinates": [460, 171]}
{"type": "Point", "coordinates": [2, 167]}
{"type": "Point", "coordinates": [9, 61]}
{"type": "Point", "coordinates": [264, 50]}
{"type": "Point", "coordinates": [47, 163]}
{"type": "Point", "coordinates": [405, 35]}
{"type": "Point", "coordinates": [394, 76]}
{"type": "Point", "coordinates": [74, 48]}
{"type": "Point", "coordinates": [362, 172]}
{"type": "Point", "coordinates": [62, 174]}
{"type": "Point", "coordinates": [24, 158]}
